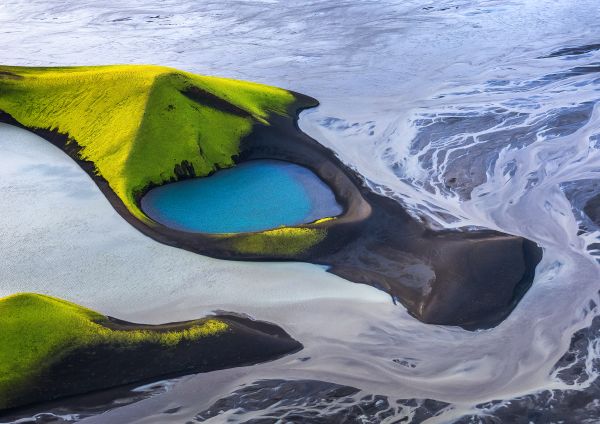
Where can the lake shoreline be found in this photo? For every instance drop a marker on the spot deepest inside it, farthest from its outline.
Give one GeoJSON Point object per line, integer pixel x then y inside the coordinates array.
{"type": "Point", "coordinates": [439, 276]}
{"type": "Point", "coordinates": [253, 196]}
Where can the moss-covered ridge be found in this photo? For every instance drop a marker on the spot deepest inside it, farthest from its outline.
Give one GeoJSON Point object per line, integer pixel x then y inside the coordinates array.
{"type": "Point", "coordinates": [51, 348]}
{"type": "Point", "coordinates": [38, 331]}
{"type": "Point", "coordinates": [133, 127]}
{"type": "Point", "coordinates": [141, 125]}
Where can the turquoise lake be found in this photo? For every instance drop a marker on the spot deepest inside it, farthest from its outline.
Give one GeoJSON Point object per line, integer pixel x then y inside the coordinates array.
{"type": "Point", "coordinates": [252, 196]}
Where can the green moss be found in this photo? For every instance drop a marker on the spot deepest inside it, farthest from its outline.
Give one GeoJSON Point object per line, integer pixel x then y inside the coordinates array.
{"type": "Point", "coordinates": [39, 330]}
{"type": "Point", "coordinates": [135, 123]}
{"type": "Point", "coordinates": [326, 219]}
{"type": "Point", "coordinates": [285, 241]}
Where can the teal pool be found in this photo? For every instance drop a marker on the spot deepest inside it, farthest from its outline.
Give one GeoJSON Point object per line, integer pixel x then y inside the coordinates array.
{"type": "Point", "coordinates": [253, 196]}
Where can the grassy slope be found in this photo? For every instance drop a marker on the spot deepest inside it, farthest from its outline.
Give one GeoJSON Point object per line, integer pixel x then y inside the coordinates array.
{"type": "Point", "coordinates": [135, 123]}
{"type": "Point", "coordinates": [280, 241]}
{"type": "Point", "coordinates": [37, 330]}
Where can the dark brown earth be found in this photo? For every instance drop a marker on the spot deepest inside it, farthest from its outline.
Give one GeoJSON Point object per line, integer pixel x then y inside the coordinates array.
{"type": "Point", "coordinates": [84, 370]}
{"type": "Point", "coordinates": [472, 279]}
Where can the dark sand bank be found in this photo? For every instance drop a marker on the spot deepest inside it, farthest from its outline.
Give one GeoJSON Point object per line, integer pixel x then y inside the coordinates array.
{"type": "Point", "coordinates": [113, 365]}
{"type": "Point", "coordinates": [470, 279]}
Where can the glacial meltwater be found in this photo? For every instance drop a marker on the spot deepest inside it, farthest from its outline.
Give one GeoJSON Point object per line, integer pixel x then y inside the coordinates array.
{"type": "Point", "coordinates": [471, 113]}
{"type": "Point", "coordinates": [252, 196]}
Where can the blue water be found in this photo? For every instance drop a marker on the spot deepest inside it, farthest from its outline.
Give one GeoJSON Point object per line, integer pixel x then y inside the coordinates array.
{"type": "Point", "coordinates": [252, 196]}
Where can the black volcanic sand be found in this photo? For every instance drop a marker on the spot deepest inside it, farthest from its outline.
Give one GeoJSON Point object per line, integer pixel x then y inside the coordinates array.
{"type": "Point", "coordinates": [318, 402]}
{"type": "Point", "coordinates": [269, 401]}
{"type": "Point", "coordinates": [245, 342]}
{"type": "Point", "coordinates": [592, 209]}
{"type": "Point", "coordinates": [470, 279]}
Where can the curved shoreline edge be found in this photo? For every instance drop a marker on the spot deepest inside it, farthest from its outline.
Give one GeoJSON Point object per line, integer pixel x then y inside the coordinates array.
{"type": "Point", "coordinates": [77, 351]}
{"type": "Point", "coordinates": [469, 279]}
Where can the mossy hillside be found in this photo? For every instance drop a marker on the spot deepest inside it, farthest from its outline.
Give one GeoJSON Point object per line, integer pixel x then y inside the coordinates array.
{"type": "Point", "coordinates": [137, 123]}
{"type": "Point", "coordinates": [38, 330]}
{"type": "Point", "coordinates": [284, 241]}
